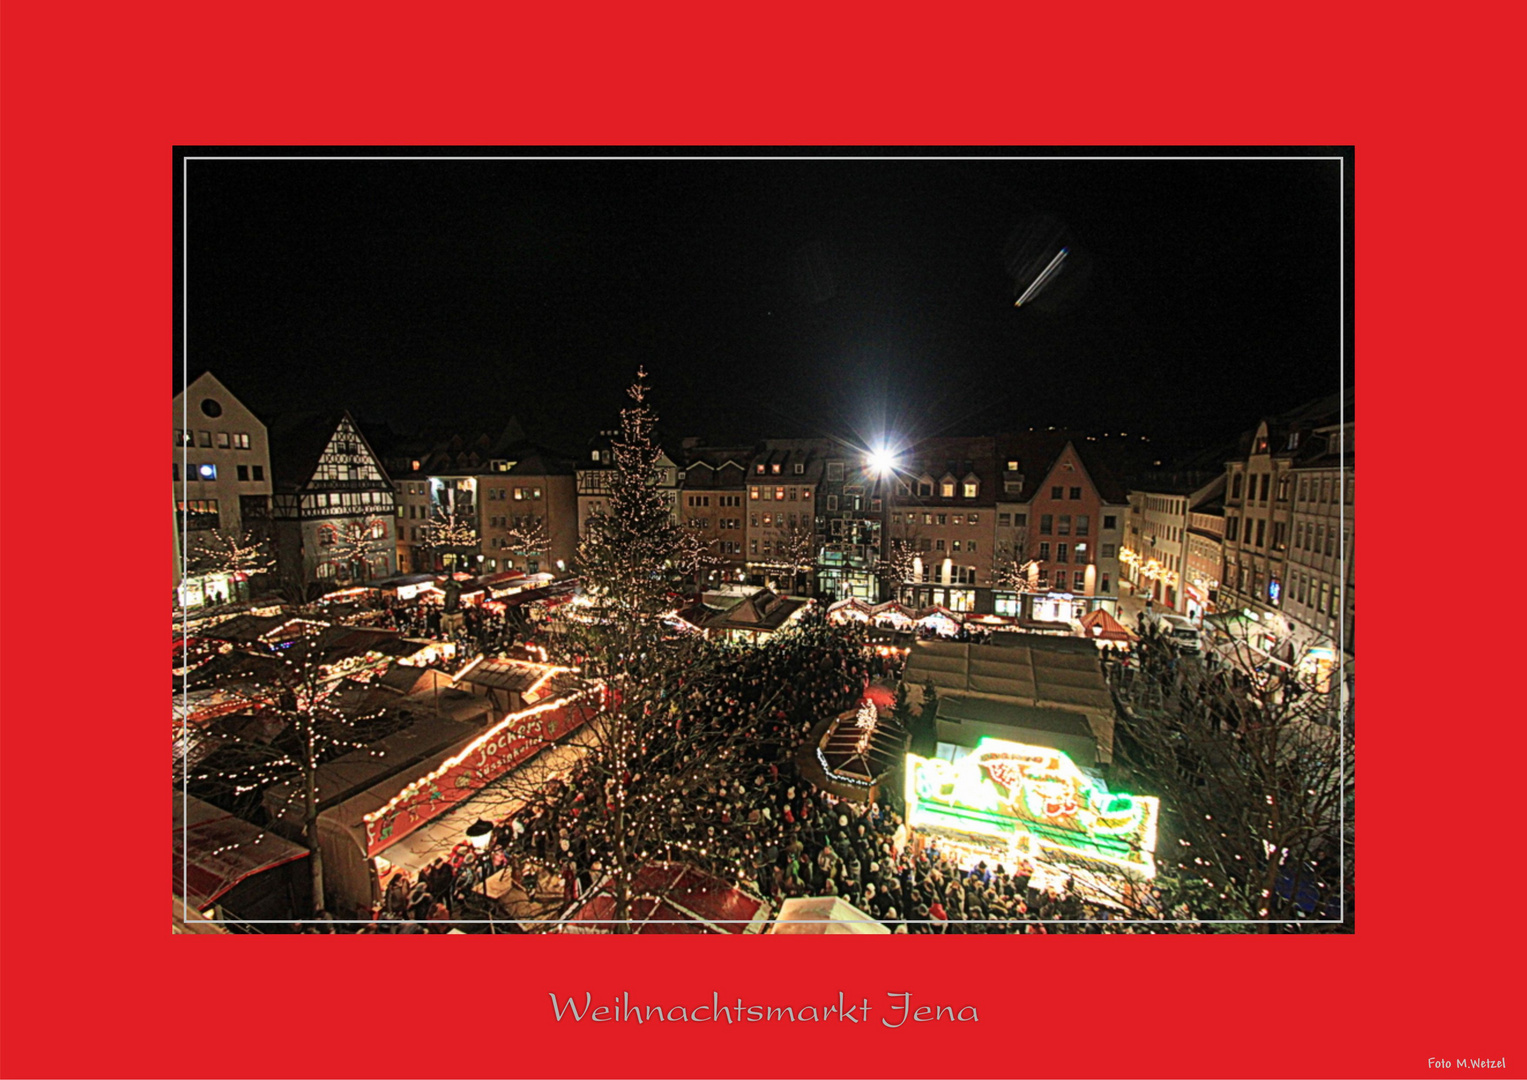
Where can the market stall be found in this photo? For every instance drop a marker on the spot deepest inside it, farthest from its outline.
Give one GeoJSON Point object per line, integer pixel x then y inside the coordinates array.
{"type": "Point", "coordinates": [1105, 630]}
{"type": "Point", "coordinates": [671, 898]}
{"type": "Point", "coordinates": [939, 620]}
{"type": "Point", "coordinates": [852, 609]}
{"type": "Point", "coordinates": [1016, 802]}
{"type": "Point", "coordinates": [824, 915]}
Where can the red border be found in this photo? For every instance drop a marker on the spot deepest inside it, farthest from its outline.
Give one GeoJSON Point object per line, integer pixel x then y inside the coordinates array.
{"type": "Point", "coordinates": [91, 102]}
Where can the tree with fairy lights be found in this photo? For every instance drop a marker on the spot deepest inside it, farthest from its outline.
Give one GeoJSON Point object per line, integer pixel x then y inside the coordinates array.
{"type": "Point", "coordinates": [900, 565]}
{"type": "Point", "coordinates": [659, 778]}
{"type": "Point", "coordinates": [1012, 570]}
{"type": "Point", "coordinates": [1253, 759]}
{"type": "Point", "coordinates": [796, 551]}
{"type": "Point", "coordinates": [241, 556]}
{"type": "Point", "coordinates": [353, 547]}
{"type": "Point", "coordinates": [527, 536]}
{"type": "Point", "coordinates": [450, 533]}
{"type": "Point", "coordinates": [293, 716]}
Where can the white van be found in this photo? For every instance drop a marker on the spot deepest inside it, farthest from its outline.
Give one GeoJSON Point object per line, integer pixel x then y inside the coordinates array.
{"type": "Point", "coordinates": [1180, 631]}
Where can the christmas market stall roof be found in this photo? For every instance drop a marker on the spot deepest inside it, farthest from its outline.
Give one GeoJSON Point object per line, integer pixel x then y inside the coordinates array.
{"type": "Point", "coordinates": [215, 851]}
{"type": "Point", "coordinates": [255, 629]}
{"type": "Point", "coordinates": [962, 721]}
{"type": "Point", "coordinates": [501, 799]}
{"type": "Point", "coordinates": [1098, 625]}
{"type": "Point", "coordinates": [672, 898]}
{"type": "Point", "coordinates": [353, 773]}
{"type": "Point", "coordinates": [409, 679]}
{"type": "Point", "coordinates": [824, 915]}
{"type": "Point", "coordinates": [763, 612]}
{"type": "Point", "coordinates": [513, 675]}
{"type": "Point", "coordinates": [1037, 675]}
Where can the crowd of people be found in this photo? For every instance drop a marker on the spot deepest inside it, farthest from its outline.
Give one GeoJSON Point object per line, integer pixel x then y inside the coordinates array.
{"type": "Point", "coordinates": [747, 816]}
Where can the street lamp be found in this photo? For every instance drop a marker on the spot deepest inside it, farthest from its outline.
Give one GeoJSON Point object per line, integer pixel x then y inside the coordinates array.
{"type": "Point", "coordinates": [480, 836]}
{"type": "Point", "coordinates": [882, 459]}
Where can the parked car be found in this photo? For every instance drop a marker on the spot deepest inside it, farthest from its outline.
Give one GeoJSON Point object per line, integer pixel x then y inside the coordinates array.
{"type": "Point", "coordinates": [1178, 629]}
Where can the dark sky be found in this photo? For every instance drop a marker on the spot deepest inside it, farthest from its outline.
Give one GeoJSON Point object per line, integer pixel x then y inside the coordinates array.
{"type": "Point", "coordinates": [769, 297]}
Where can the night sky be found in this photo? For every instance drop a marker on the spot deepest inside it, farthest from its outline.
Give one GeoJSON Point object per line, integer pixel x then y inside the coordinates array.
{"type": "Point", "coordinates": [769, 297]}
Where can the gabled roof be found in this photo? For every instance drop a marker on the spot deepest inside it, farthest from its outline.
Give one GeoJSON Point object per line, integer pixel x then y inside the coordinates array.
{"type": "Point", "coordinates": [764, 610]}
{"type": "Point", "coordinates": [297, 442]}
{"type": "Point", "coordinates": [538, 462]}
{"type": "Point", "coordinates": [1037, 453]}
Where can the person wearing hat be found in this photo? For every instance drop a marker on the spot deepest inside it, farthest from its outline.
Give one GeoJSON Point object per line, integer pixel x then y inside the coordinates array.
{"type": "Point", "coordinates": [418, 901]}
{"type": "Point", "coordinates": [939, 916]}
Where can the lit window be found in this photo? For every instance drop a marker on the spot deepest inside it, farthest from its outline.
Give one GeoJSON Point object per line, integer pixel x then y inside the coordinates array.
{"type": "Point", "coordinates": [774, 468]}
{"type": "Point", "coordinates": [779, 494]}
{"type": "Point", "coordinates": [947, 489]}
{"type": "Point", "coordinates": [970, 490]}
{"type": "Point", "coordinates": [753, 491]}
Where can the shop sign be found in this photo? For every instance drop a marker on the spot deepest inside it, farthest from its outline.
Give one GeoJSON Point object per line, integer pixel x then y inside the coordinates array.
{"type": "Point", "coordinates": [510, 742]}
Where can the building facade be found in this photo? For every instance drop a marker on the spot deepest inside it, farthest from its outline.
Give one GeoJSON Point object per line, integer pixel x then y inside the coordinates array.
{"type": "Point", "coordinates": [782, 516]}
{"type": "Point", "coordinates": [852, 514]}
{"type": "Point", "coordinates": [713, 503]}
{"type": "Point", "coordinates": [944, 509]}
{"type": "Point", "coordinates": [1320, 598]}
{"type": "Point", "coordinates": [221, 486]}
{"type": "Point", "coordinates": [1159, 539]}
{"type": "Point", "coordinates": [1060, 514]}
{"type": "Point", "coordinates": [333, 509]}
{"type": "Point", "coordinates": [536, 493]}
{"type": "Point", "coordinates": [1259, 523]}
{"type": "Point", "coordinates": [1206, 553]}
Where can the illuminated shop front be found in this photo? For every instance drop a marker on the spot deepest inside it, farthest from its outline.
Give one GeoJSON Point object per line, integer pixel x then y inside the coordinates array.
{"type": "Point", "coordinates": [1023, 802]}
{"type": "Point", "coordinates": [1319, 667]}
{"type": "Point", "coordinates": [202, 590]}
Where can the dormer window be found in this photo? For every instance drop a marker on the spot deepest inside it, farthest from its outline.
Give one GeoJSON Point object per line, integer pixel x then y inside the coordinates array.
{"type": "Point", "coordinates": [1012, 466]}
{"type": "Point", "coordinates": [946, 487]}
{"type": "Point", "coordinates": [925, 486]}
{"type": "Point", "coordinates": [774, 468]}
{"type": "Point", "coordinates": [759, 468]}
{"type": "Point", "coordinates": [970, 489]}
{"type": "Point", "coordinates": [593, 456]}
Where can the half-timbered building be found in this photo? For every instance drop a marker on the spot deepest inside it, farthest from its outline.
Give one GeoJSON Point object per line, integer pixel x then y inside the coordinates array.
{"type": "Point", "coordinates": [334, 507]}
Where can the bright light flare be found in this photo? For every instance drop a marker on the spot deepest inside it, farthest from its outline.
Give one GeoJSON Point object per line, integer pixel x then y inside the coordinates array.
{"type": "Point", "coordinates": [882, 459]}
